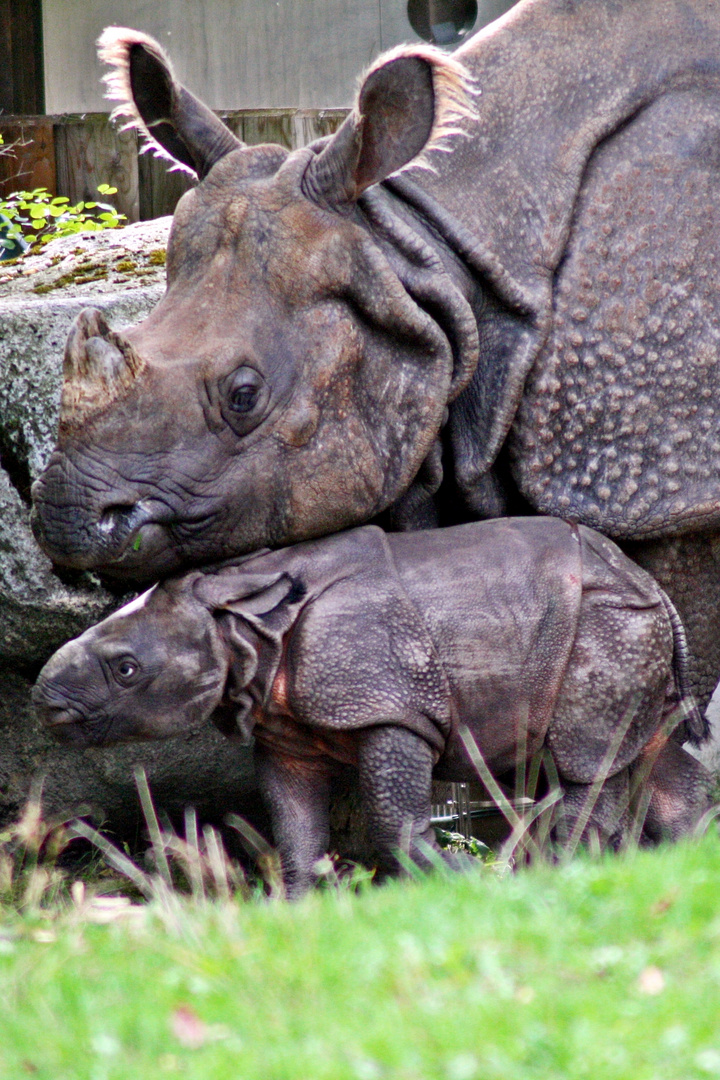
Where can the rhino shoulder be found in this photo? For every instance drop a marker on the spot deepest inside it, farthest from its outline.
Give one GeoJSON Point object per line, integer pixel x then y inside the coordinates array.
{"type": "Point", "coordinates": [360, 653]}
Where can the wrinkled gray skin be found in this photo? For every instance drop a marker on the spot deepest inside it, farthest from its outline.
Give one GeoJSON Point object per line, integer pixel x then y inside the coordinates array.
{"type": "Point", "coordinates": [529, 323]}
{"type": "Point", "coordinates": [374, 650]}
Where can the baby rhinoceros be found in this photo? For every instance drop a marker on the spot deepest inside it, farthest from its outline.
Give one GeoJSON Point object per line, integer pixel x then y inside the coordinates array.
{"type": "Point", "coordinates": [379, 651]}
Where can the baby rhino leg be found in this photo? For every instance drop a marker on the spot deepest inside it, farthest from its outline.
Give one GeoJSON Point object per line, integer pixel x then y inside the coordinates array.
{"type": "Point", "coordinates": [610, 706]}
{"type": "Point", "coordinates": [679, 790]}
{"type": "Point", "coordinates": [296, 793]}
{"type": "Point", "coordinates": [395, 782]}
{"type": "Point", "coordinates": [597, 812]}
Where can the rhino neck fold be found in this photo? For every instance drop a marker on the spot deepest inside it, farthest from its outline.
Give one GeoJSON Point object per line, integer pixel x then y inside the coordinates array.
{"type": "Point", "coordinates": [433, 275]}
{"type": "Point", "coordinates": [436, 280]}
{"type": "Point", "coordinates": [439, 264]}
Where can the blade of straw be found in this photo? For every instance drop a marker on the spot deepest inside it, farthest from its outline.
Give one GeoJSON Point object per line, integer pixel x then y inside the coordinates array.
{"type": "Point", "coordinates": [217, 862]}
{"type": "Point", "coordinates": [498, 795]}
{"type": "Point", "coordinates": [156, 838]}
{"type": "Point", "coordinates": [527, 820]}
{"type": "Point", "coordinates": [194, 859]}
{"type": "Point", "coordinates": [258, 844]}
{"type": "Point", "coordinates": [115, 857]}
{"type": "Point", "coordinates": [640, 795]}
{"type": "Point", "coordinates": [548, 821]}
{"type": "Point", "coordinates": [601, 775]}
{"type": "Point", "coordinates": [533, 774]}
{"type": "Point", "coordinates": [521, 751]}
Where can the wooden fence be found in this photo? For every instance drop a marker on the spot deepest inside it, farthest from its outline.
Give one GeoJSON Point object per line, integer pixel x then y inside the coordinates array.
{"type": "Point", "coordinates": [70, 155]}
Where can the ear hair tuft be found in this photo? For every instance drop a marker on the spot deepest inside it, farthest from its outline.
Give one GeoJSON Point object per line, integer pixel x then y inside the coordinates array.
{"type": "Point", "coordinates": [114, 47]}
{"type": "Point", "coordinates": [454, 89]}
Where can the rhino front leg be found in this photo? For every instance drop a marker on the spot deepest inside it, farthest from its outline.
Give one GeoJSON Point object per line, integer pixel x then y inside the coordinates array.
{"type": "Point", "coordinates": [297, 794]}
{"type": "Point", "coordinates": [395, 768]}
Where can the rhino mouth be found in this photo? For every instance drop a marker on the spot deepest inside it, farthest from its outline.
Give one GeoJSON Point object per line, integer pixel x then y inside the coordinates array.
{"type": "Point", "coordinates": [139, 538]}
{"type": "Point", "coordinates": [147, 541]}
{"type": "Point", "coordinates": [67, 723]}
{"type": "Point", "coordinates": [122, 537]}
{"type": "Point", "coordinates": [83, 732]}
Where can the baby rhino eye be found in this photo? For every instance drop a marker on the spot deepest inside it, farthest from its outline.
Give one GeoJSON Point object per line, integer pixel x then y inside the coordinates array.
{"type": "Point", "coordinates": [125, 668]}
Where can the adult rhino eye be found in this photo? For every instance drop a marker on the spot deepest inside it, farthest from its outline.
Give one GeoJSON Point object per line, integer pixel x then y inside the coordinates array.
{"type": "Point", "coordinates": [244, 396]}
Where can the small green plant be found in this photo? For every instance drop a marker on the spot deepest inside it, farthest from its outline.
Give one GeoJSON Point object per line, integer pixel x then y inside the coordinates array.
{"type": "Point", "coordinates": [34, 217]}
{"type": "Point", "coordinates": [470, 845]}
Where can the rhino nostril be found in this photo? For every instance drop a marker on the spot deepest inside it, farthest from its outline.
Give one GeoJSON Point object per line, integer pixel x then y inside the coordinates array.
{"type": "Point", "coordinates": [119, 522]}
{"type": "Point", "coordinates": [118, 518]}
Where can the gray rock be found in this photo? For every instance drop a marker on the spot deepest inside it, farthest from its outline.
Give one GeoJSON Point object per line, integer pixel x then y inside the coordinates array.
{"type": "Point", "coordinates": [122, 272]}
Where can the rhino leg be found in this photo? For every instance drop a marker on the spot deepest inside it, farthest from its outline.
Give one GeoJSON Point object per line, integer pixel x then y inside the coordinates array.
{"type": "Point", "coordinates": [606, 810]}
{"type": "Point", "coordinates": [679, 788]}
{"type": "Point", "coordinates": [297, 795]}
{"type": "Point", "coordinates": [688, 568]}
{"type": "Point", "coordinates": [395, 768]}
{"type": "Point", "coordinates": [614, 692]}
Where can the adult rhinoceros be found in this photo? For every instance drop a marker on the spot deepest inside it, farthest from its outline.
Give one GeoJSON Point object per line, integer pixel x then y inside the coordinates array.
{"type": "Point", "coordinates": [497, 287]}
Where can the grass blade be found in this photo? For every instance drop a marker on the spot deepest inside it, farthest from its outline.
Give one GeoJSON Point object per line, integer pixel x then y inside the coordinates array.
{"type": "Point", "coordinates": [120, 862]}
{"type": "Point", "coordinates": [156, 836]}
{"type": "Point", "coordinates": [497, 794]}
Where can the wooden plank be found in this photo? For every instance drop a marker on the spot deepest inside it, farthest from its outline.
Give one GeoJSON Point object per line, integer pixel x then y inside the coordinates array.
{"type": "Point", "coordinates": [160, 186]}
{"type": "Point", "coordinates": [7, 101]}
{"type": "Point", "coordinates": [291, 128]}
{"type": "Point", "coordinates": [312, 124]}
{"type": "Point", "coordinates": [264, 126]}
{"type": "Point", "coordinates": [91, 151]}
{"type": "Point", "coordinates": [31, 163]}
{"type": "Point", "coordinates": [71, 155]}
{"type": "Point", "coordinates": [160, 189]}
{"type": "Point", "coordinates": [27, 63]}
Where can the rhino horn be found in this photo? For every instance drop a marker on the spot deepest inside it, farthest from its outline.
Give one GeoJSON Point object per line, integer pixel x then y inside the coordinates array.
{"type": "Point", "coordinates": [409, 101]}
{"type": "Point", "coordinates": [175, 124]}
{"type": "Point", "coordinates": [99, 367]}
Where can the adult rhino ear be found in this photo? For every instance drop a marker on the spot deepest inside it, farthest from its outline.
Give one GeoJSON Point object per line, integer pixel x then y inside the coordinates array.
{"type": "Point", "coordinates": [408, 102]}
{"type": "Point", "coordinates": [174, 122]}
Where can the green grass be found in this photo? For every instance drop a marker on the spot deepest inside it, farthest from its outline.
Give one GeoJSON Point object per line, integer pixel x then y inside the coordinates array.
{"type": "Point", "coordinates": [595, 968]}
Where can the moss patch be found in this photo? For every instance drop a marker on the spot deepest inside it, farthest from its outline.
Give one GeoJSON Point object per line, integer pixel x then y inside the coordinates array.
{"type": "Point", "coordinates": [78, 276]}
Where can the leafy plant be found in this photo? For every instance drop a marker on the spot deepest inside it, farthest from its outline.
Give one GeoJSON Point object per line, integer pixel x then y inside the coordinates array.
{"type": "Point", "coordinates": [34, 217]}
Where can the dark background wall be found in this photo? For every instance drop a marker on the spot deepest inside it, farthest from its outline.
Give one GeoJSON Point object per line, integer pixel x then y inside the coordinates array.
{"type": "Point", "coordinates": [22, 87]}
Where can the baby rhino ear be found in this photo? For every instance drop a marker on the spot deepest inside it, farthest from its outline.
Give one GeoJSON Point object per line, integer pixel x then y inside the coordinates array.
{"type": "Point", "coordinates": [251, 594]}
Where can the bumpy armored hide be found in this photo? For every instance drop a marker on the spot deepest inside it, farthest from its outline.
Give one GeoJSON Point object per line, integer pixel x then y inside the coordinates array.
{"type": "Point", "coordinates": [597, 122]}
{"type": "Point", "coordinates": [619, 420]}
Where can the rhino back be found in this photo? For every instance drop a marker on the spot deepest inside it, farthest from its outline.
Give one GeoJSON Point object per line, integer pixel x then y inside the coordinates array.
{"type": "Point", "coordinates": [500, 600]}
{"type": "Point", "coordinates": [619, 425]}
